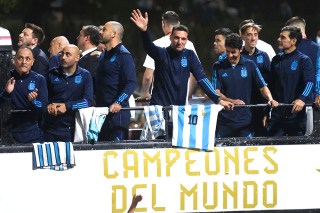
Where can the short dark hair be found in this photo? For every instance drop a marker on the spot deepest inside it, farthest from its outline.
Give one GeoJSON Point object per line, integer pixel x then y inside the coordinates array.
{"type": "Point", "coordinates": [37, 32]}
{"type": "Point", "coordinates": [171, 17]}
{"type": "Point", "coordinates": [222, 31]}
{"type": "Point", "coordinates": [233, 40]}
{"type": "Point", "coordinates": [296, 20]}
{"type": "Point", "coordinates": [180, 28]}
{"type": "Point", "coordinates": [294, 32]}
{"type": "Point", "coordinates": [93, 32]}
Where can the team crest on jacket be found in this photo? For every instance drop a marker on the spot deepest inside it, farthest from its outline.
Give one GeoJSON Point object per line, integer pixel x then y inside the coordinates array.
{"type": "Point", "coordinates": [244, 72]}
{"type": "Point", "coordinates": [294, 65]}
{"type": "Point", "coordinates": [260, 59]}
{"type": "Point", "coordinates": [31, 86]}
{"type": "Point", "coordinates": [184, 62]}
{"type": "Point", "coordinates": [224, 75]}
{"type": "Point", "coordinates": [113, 58]}
{"type": "Point", "coordinates": [56, 80]}
{"type": "Point", "coordinates": [78, 79]}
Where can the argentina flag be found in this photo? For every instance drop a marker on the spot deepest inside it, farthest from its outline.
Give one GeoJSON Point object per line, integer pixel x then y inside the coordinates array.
{"type": "Point", "coordinates": [194, 126]}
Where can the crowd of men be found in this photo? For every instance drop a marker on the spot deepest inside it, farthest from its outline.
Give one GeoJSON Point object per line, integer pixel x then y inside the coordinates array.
{"type": "Point", "coordinates": [46, 92]}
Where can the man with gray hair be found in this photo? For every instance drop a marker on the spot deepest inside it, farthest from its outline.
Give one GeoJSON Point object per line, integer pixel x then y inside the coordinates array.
{"type": "Point", "coordinates": [56, 46]}
{"type": "Point", "coordinates": [27, 92]}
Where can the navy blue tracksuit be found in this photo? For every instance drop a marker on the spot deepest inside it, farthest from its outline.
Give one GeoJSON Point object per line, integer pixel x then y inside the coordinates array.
{"type": "Point", "coordinates": [25, 126]}
{"type": "Point", "coordinates": [115, 82]}
{"type": "Point", "coordinates": [261, 59]}
{"type": "Point", "coordinates": [312, 50]}
{"type": "Point", "coordinates": [236, 82]}
{"type": "Point", "coordinates": [41, 61]}
{"type": "Point", "coordinates": [76, 91]}
{"type": "Point", "coordinates": [291, 78]}
{"type": "Point", "coordinates": [172, 71]}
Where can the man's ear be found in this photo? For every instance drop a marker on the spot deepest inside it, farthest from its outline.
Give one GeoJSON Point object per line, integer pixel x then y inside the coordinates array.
{"type": "Point", "coordinates": [34, 41]}
{"type": "Point", "coordinates": [294, 41]}
{"type": "Point", "coordinates": [32, 62]}
{"type": "Point", "coordinates": [114, 33]}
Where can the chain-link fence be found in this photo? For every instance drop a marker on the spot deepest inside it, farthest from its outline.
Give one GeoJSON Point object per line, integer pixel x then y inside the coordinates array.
{"type": "Point", "coordinates": [5, 108]}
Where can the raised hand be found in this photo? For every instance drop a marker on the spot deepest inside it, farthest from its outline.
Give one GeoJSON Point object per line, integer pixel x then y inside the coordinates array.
{"type": "Point", "coordinates": [139, 20]}
{"type": "Point", "coordinates": [135, 200]}
{"type": "Point", "coordinates": [10, 85]}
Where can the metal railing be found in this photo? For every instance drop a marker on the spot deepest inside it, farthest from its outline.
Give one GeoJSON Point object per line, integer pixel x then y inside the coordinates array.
{"type": "Point", "coordinates": [228, 141]}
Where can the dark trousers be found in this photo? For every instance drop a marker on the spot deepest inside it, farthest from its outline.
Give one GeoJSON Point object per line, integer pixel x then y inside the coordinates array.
{"type": "Point", "coordinates": [224, 130]}
{"type": "Point", "coordinates": [115, 127]}
{"type": "Point", "coordinates": [257, 127]}
{"type": "Point", "coordinates": [286, 128]}
{"type": "Point", "coordinates": [63, 136]}
{"type": "Point", "coordinates": [33, 135]}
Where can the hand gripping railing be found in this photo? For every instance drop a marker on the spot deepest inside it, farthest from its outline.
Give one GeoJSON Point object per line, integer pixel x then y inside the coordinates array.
{"type": "Point", "coordinates": [167, 109]}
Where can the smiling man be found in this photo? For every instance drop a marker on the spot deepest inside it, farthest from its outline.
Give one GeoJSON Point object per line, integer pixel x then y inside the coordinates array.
{"type": "Point", "coordinates": [291, 83]}
{"type": "Point", "coordinates": [169, 20]}
{"type": "Point", "coordinates": [236, 77]}
{"type": "Point", "coordinates": [173, 66]}
{"type": "Point", "coordinates": [250, 36]}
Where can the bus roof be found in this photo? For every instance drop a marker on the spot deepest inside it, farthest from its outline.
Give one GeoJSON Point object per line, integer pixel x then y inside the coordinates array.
{"type": "Point", "coordinates": [5, 37]}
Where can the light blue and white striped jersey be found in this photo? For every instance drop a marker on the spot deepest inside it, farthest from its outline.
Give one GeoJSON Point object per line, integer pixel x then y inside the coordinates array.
{"type": "Point", "coordinates": [53, 155]}
{"type": "Point", "coordinates": [88, 123]}
{"type": "Point", "coordinates": [194, 126]}
{"type": "Point", "coordinates": [155, 123]}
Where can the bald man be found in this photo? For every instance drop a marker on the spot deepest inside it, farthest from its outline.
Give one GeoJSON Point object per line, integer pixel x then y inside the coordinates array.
{"type": "Point", "coordinates": [56, 46]}
{"type": "Point", "coordinates": [70, 88]}
{"type": "Point", "coordinates": [115, 82]}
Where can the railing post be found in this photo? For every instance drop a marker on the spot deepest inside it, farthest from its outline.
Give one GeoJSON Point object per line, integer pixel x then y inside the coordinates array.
{"type": "Point", "coordinates": [5, 108]}
{"type": "Point", "coordinates": [166, 118]}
